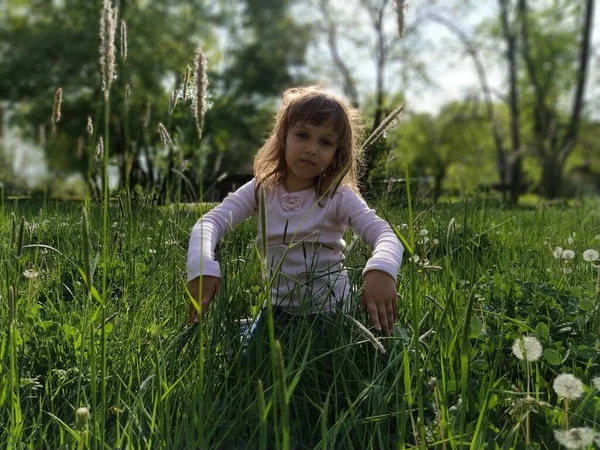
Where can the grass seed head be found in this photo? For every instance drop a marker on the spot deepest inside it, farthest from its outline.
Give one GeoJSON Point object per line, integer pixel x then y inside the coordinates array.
{"type": "Point", "coordinates": [575, 438]}
{"type": "Point", "coordinates": [201, 79]}
{"type": "Point", "coordinates": [100, 148]}
{"type": "Point", "coordinates": [568, 386]}
{"type": "Point", "coordinates": [123, 35]}
{"type": "Point", "coordinates": [527, 348]}
{"type": "Point", "coordinates": [400, 6]}
{"type": "Point", "coordinates": [108, 20]}
{"type": "Point", "coordinates": [164, 135]}
{"type": "Point", "coordinates": [58, 97]}
{"type": "Point", "coordinates": [90, 126]}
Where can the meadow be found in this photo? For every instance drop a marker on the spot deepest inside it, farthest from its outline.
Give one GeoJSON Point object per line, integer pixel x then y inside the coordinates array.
{"type": "Point", "coordinates": [496, 346]}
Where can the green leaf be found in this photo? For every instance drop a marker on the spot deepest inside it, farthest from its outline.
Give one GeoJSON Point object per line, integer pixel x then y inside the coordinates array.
{"type": "Point", "coordinates": [542, 331]}
{"type": "Point", "coordinates": [586, 305]}
{"type": "Point", "coordinates": [552, 357]}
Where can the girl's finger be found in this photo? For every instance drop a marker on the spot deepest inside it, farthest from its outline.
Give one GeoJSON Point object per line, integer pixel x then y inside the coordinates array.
{"type": "Point", "coordinates": [374, 315]}
{"type": "Point", "coordinates": [383, 319]}
{"type": "Point", "coordinates": [390, 314]}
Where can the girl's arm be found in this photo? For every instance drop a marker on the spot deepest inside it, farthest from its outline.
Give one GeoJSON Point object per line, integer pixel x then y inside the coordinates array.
{"type": "Point", "coordinates": [379, 296]}
{"type": "Point", "coordinates": [387, 250]}
{"type": "Point", "coordinates": [213, 226]}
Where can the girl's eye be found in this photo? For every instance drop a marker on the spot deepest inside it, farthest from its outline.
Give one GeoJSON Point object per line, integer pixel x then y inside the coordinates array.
{"type": "Point", "coordinates": [327, 143]}
{"type": "Point", "coordinates": [302, 135]}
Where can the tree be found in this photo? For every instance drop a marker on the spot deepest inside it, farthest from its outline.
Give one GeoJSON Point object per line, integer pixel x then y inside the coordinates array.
{"type": "Point", "coordinates": [433, 145]}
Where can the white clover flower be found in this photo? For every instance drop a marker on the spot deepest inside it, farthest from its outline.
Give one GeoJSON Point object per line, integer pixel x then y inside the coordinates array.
{"type": "Point", "coordinates": [30, 273]}
{"type": "Point", "coordinates": [590, 255]}
{"type": "Point", "coordinates": [423, 232]}
{"type": "Point", "coordinates": [575, 438]}
{"type": "Point", "coordinates": [596, 382]}
{"type": "Point", "coordinates": [568, 254]}
{"type": "Point", "coordinates": [568, 386]}
{"type": "Point", "coordinates": [557, 253]}
{"type": "Point", "coordinates": [527, 348]}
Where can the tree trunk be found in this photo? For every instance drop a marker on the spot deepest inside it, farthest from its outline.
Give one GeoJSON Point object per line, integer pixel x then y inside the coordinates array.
{"type": "Point", "coordinates": [552, 177]}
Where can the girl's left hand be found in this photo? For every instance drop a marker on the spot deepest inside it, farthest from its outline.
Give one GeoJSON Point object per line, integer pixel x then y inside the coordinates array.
{"type": "Point", "coordinates": [380, 299]}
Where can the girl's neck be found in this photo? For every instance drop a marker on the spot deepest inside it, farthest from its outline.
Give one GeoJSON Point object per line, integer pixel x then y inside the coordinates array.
{"type": "Point", "coordinates": [293, 185]}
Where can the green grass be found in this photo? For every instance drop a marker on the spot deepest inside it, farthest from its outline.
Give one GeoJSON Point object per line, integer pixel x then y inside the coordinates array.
{"type": "Point", "coordinates": [490, 277]}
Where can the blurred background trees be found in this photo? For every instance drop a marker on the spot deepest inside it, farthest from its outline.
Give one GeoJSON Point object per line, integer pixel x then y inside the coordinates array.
{"type": "Point", "coordinates": [528, 124]}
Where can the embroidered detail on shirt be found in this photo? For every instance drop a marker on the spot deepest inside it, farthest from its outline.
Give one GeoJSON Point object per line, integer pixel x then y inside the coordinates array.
{"type": "Point", "coordinates": [291, 202]}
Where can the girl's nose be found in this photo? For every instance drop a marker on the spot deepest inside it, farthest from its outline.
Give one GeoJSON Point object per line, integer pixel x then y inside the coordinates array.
{"type": "Point", "coordinates": [311, 148]}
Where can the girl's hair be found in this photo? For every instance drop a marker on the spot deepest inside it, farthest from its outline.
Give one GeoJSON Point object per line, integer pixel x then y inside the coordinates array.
{"type": "Point", "coordinates": [313, 106]}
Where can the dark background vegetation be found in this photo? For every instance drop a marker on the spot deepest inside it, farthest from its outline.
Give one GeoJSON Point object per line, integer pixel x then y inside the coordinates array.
{"type": "Point", "coordinates": [534, 133]}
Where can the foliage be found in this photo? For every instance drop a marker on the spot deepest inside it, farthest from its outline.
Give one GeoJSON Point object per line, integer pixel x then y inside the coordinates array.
{"type": "Point", "coordinates": [498, 261]}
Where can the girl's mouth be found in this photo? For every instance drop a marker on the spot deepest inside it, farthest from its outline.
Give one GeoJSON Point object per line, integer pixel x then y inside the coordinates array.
{"type": "Point", "coordinates": [310, 163]}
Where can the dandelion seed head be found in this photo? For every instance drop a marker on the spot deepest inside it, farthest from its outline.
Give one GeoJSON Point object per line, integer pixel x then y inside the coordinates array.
{"type": "Point", "coordinates": [415, 258]}
{"type": "Point", "coordinates": [568, 386]}
{"type": "Point", "coordinates": [590, 255]}
{"type": "Point", "coordinates": [557, 253]}
{"type": "Point", "coordinates": [570, 240]}
{"type": "Point", "coordinates": [575, 438]}
{"type": "Point", "coordinates": [568, 254]}
{"type": "Point", "coordinates": [424, 232]}
{"type": "Point", "coordinates": [527, 348]}
{"type": "Point", "coordinates": [596, 382]}
{"type": "Point", "coordinates": [30, 273]}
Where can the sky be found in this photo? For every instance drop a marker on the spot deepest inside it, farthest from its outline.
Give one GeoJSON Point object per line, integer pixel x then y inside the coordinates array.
{"type": "Point", "coordinates": [454, 74]}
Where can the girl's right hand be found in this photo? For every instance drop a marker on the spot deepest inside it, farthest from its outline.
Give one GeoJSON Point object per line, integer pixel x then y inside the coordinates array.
{"type": "Point", "coordinates": [210, 288]}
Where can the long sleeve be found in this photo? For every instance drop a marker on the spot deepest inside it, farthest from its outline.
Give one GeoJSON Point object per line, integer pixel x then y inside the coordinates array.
{"type": "Point", "coordinates": [387, 250]}
{"type": "Point", "coordinates": [213, 226]}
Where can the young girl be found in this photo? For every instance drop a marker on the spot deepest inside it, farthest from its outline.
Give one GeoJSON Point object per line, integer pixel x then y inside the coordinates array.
{"type": "Point", "coordinates": [314, 143]}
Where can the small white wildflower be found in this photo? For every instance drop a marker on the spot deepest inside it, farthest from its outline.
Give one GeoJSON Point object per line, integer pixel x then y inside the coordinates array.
{"type": "Point", "coordinates": [415, 258]}
{"type": "Point", "coordinates": [568, 386]}
{"type": "Point", "coordinates": [557, 253]}
{"type": "Point", "coordinates": [115, 224]}
{"type": "Point", "coordinates": [567, 270]}
{"type": "Point", "coordinates": [152, 251]}
{"type": "Point", "coordinates": [30, 273]}
{"type": "Point", "coordinates": [425, 239]}
{"type": "Point", "coordinates": [527, 348]}
{"type": "Point", "coordinates": [596, 382]}
{"type": "Point", "coordinates": [568, 254]}
{"type": "Point", "coordinates": [575, 438]}
{"type": "Point", "coordinates": [590, 255]}
{"type": "Point", "coordinates": [436, 242]}
{"type": "Point", "coordinates": [423, 232]}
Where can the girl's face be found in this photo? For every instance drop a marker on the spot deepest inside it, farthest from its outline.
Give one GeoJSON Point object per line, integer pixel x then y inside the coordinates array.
{"type": "Point", "coordinates": [309, 150]}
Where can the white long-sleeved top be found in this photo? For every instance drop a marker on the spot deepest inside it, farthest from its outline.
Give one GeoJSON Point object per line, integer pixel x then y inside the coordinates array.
{"type": "Point", "coordinates": [307, 236]}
